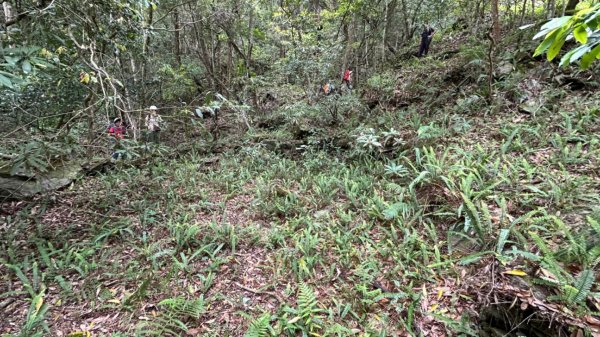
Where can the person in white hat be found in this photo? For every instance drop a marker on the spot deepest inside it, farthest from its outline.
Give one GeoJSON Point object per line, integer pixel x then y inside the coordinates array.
{"type": "Point", "coordinates": [153, 121]}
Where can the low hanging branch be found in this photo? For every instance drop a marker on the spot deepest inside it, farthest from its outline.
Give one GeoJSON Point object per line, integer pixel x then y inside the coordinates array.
{"type": "Point", "coordinates": [108, 84]}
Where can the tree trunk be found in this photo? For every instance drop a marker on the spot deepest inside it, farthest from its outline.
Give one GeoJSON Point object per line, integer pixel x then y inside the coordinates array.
{"type": "Point", "coordinates": [570, 7]}
{"type": "Point", "coordinates": [9, 15]}
{"type": "Point", "coordinates": [250, 40]}
{"type": "Point", "coordinates": [550, 9]}
{"type": "Point", "coordinates": [176, 36]}
{"type": "Point", "coordinates": [145, 49]}
{"type": "Point", "coordinates": [495, 21]}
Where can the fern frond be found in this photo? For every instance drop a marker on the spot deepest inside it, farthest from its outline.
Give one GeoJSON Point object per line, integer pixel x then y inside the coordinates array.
{"type": "Point", "coordinates": [502, 239]}
{"type": "Point", "coordinates": [595, 225]}
{"type": "Point", "coordinates": [473, 216]}
{"type": "Point", "coordinates": [307, 301]}
{"type": "Point", "coordinates": [547, 253]}
{"type": "Point", "coordinates": [582, 287]}
{"type": "Point", "coordinates": [527, 255]}
{"type": "Point", "coordinates": [259, 327]}
{"type": "Point", "coordinates": [183, 308]}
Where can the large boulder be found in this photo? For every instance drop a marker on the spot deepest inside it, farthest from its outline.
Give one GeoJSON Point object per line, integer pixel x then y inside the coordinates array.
{"type": "Point", "coordinates": [25, 185]}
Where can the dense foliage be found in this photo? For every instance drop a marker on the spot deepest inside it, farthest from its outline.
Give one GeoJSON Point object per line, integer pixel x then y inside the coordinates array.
{"type": "Point", "coordinates": [454, 194]}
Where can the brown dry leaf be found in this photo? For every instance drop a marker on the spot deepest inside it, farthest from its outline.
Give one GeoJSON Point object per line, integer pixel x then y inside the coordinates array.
{"type": "Point", "coordinates": [548, 274]}
{"type": "Point", "coordinates": [193, 332]}
{"type": "Point", "coordinates": [592, 320]}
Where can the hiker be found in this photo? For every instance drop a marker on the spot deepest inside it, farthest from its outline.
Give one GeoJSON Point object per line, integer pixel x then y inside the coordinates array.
{"type": "Point", "coordinates": [153, 121]}
{"type": "Point", "coordinates": [347, 79]}
{"type": "Point", "coordinates": [328, 88]}
{"type": "Point", "coordinates": [426, 37]}
{"type": "Point", "coordinates": [116, 132]}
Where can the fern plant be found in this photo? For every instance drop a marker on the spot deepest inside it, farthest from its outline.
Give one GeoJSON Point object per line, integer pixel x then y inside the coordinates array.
{"type": "Point", "coordinates": [35, 323]}
{"type": "Point", "coordinates": [172, 320]}
{"type": "Point", "coordinates": [307, 317]}
{"type": "Point", "coordinates": [571, 290]}
{"type": "Point", "coordinates": [183, 308]}
{"type": "Point", "coordinates": [260, 327]}
{"type": "Point", "coordinates": [580, 290]}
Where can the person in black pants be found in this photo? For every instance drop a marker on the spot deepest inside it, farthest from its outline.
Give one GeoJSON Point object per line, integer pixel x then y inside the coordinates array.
{"type": "Point", "coordinates": [426, 37]}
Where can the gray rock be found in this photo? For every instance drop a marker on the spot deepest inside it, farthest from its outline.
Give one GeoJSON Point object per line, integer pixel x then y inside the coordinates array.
{"type": "Point", "coordinates": [24, 185]}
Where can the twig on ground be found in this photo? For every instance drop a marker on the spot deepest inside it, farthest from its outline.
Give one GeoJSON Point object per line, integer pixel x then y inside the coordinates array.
{"type": "Point", "coordinates": [259, 292]}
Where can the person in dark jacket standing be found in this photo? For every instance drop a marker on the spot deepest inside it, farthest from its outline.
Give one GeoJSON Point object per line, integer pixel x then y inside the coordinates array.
{"type": "Point", "coordinates": [426, 37]}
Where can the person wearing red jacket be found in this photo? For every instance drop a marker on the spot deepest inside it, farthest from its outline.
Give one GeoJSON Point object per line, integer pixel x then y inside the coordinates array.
{"type": "Point", "coordinates": [347, 79]}
{"type": "Point", "coordinates": [116, 132]}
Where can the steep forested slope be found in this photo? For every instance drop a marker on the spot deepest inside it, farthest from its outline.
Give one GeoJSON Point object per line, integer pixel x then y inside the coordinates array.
{"type": "Point", "coordinates": [450, 195]}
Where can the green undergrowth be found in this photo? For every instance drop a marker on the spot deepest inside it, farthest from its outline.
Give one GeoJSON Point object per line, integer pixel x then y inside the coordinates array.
{"type": "Point", "coordinates": [383, 239]}
{"type": "Point", "coordinates": [375, 222]}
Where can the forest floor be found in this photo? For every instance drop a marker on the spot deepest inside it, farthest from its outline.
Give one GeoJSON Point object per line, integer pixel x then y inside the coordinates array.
{"type": "Point", "coordinates": [419, 209]}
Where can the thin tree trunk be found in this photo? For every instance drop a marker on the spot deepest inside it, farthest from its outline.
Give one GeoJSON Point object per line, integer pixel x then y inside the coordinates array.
{"type": "Point", "coordinates": [250, 40]}
{"type": "Point", "coordinates": [491, 51]}
{"type": "Point", "coordinates": [523, 11]}
{"type": "Point", "coordinates": [495, 21]}
{"type": "Point", "coordinates": [91, 134]}
{"type": "Point", "coordinates": [9, 15]}
{"type": "Point", "coordinates": [176, 36]}
{"type": "Point", "coordinates": [383, 39]}
{"type": "Point", "coordinates": [145, 49]}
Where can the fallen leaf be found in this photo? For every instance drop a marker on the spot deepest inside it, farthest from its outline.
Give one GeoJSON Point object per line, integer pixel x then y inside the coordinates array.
{"type": "Point", "coordinates": [515, 272]}
{"type": "Point", "coordinates": [80, 334]}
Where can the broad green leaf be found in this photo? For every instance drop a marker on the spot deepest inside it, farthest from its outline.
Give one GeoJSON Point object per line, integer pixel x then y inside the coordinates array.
{"type": "Point", "coordinates": [579, 52]}
{"type": "Point", "coordinates": [566, 59]}
{"type": "Point", "coordinates": [541, 33]}
{"type": "Point", "coordinates": [546, 43]}
{"type": "Point", "coordinates": [582, 13]}
{"type": "Point", "coordinates": [5, 81]}
{"type": "Point", "coordinates": [556, 46]}
{"type": "Point", "coordinates": [12, 60]}
{"type": "Point", "coordinates": [593, 16]}
{"type": "Point", "coordinates": [580, 34]}
{"type": "Point", "coordinates": [556, 23]}
{"type": "Point", "coordinates": [588, 58]}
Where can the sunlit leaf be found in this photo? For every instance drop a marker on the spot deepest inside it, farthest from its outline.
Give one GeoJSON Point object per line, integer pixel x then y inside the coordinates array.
{"type": "Point", "coordinates": [39, 303]}
{"type": "Point", "coordinates": [588, 58]}
{"type": "Point", "coordinates": [85, 78]}
{"type": "Point", "coordinates": [580, 34]}
{"type": "Point", "coordinates": [546, 43]}
{"type": "Point", "coordinates": [556, 22]}
{"type": "Point", "coordinates": [515, 272]}
{"type": "Point", "coordinates": [556, 46]}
